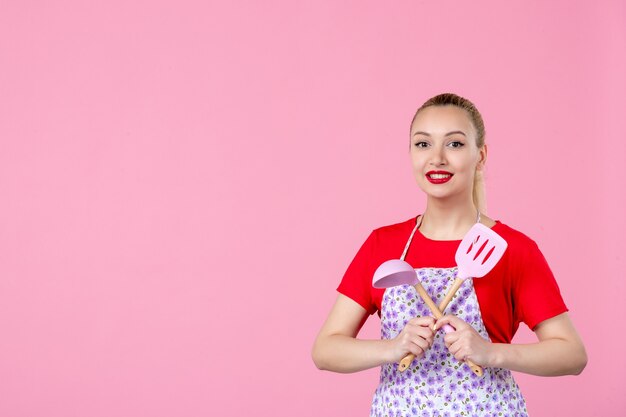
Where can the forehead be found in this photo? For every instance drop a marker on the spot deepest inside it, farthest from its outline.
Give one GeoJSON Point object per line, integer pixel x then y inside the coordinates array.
{"type": "Point", "coordinates": [436, 120]}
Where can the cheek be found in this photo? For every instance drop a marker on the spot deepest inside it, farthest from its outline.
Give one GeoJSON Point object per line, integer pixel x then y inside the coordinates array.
{"type": "Point", "coordinates": [418, 168]}
{"type": "Point", "coordinates": [417, 160]}
{"type": "Point", "coordinates": [467, 163]}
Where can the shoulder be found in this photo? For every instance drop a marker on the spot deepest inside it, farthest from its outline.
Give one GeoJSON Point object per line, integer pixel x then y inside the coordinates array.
{"type": "Point", "coordinates": [519, 244]}
{"type": "Point", "coordinates": [396, 230]}
{"type": "Point", "coordinates": [514, 235]}
{"type": "Point", "coordinates": [386, 242]}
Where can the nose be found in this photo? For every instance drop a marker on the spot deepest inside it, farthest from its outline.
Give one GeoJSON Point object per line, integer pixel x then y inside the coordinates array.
{"type": "Point", "coordinates": [438, 157]}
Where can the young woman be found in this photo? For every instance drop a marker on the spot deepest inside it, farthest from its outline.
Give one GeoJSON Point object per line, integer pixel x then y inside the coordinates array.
{"type": "Point", "coordinates": [448, 155]}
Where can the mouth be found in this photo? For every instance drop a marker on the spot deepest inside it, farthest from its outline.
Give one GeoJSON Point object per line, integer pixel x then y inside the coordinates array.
{"type": "Point", "coordinates": [438, 177]}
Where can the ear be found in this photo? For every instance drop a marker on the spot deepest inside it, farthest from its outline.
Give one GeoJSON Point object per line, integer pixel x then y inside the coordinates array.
{"type": "Point", "coordinates": [482, 158]}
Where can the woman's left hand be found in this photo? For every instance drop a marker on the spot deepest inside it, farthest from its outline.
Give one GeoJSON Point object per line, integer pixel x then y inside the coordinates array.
{"type": "Point", "coordinates": [465, 342]}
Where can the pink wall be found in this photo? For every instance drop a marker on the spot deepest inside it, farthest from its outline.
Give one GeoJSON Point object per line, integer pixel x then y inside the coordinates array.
{"type": "Point", "coordinates": [183, 185]}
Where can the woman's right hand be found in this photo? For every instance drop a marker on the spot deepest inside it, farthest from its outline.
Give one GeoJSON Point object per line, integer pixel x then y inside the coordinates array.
{"type": "Point", "coordinates": [416, 337]}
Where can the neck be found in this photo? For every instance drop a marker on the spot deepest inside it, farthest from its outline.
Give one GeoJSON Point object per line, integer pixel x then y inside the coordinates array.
{"type": "Point", "coordinates": [445, 221]}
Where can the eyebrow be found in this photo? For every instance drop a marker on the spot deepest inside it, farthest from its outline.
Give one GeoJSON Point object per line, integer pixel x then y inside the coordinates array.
{"type": "Point", "coordinates": [454, 132]}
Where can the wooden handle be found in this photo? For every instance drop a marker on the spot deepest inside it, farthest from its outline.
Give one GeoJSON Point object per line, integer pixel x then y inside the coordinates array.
{"type": "Point", "coordinates": [475, 368]}
{"type": "Point", "coordinates": [446, 300]}
{"type": "Point", "coordinates": [406, 362]}
{"type": "Point", "coordinates": [437, 312]}
{"type": "Point", "coordinates": [429, 301]}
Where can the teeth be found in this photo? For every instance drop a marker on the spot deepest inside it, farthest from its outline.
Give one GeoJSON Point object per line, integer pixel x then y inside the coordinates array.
{"type": "Point", "coordinates": [439, 176]}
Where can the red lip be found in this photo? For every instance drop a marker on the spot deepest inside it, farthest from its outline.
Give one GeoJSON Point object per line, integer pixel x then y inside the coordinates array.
{"type": "Point", "coordinates": [438, 180]}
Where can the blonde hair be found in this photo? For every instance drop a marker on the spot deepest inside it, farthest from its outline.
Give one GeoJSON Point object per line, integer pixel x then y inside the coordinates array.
{"type": "Point", "coordinates": [450, 99]}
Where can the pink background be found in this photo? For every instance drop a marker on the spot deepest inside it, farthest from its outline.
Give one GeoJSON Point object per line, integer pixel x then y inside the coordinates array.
{"type": "Point", "coordinates": [183, 185]}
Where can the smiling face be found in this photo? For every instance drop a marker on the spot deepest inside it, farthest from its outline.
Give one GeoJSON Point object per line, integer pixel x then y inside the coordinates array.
{"type": "Point", "coordinates": [444, 153]}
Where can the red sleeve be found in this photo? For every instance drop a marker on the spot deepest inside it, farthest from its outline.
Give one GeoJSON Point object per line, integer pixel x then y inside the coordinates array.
{"type": "Point", "coordinates": [357, 281]}
{"type": "Point", "coordinates": [536, 293]}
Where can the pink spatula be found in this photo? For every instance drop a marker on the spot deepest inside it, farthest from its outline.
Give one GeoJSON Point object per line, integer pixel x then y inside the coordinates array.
{"type": "Point", "coordinates": [477, 254]}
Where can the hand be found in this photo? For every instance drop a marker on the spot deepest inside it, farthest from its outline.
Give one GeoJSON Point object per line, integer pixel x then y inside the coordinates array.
{"type": "Point", "coordinates": [465, 342]}
{"type": "Point", "coordinates": [416, 337]}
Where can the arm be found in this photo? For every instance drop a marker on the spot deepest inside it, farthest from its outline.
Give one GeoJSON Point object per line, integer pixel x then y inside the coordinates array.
{"type": "Point", "coordinates": [559, 350]}
{"type": "Point", "coordinates": [337, 349]}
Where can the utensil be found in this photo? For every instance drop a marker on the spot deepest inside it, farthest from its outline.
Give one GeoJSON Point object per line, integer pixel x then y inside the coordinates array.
{"type": "Point", "coordinates": [399, 272]}
{"type": "Point", "coordinates": [477, 254]}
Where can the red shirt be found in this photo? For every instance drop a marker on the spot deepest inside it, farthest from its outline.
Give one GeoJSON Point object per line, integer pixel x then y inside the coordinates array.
{"type": "Point", "coordinates": [520, 288]}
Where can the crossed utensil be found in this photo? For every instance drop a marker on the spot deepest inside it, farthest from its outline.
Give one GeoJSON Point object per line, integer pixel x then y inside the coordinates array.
{"type": "Point", "coordinates": [477, 254]}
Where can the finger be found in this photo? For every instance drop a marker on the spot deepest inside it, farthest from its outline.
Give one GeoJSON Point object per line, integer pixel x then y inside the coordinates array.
{"type": "Point", "coordinates": [430, 339]}
{"type": "Point", "coordinates": [424, 333]}
{"type": "Point", "coordinates": [458, 350]}
{"type": "Point", "coordinates": [451, 338]}
{"type": "Point", "coordinates": [461, 350]}
{"type": "Point", "coordinates": [453, 321]}
{"type": "Point", "coordinates": [414, 347]}
{"type": "Point", "coordinates": [461, 354]}
{"type": "Point", "coordinates": [417, 352]}
{"type": "Point", "coordinates": [418, 336]}
{"type": "Point", "coordinates": [453, 348]}
{"type": "Point", "coordinates": [421, 343]}
{"type": "Point", "coordinates": [422, 321]}
{"type": "Point", "coordinates": [423, 330]}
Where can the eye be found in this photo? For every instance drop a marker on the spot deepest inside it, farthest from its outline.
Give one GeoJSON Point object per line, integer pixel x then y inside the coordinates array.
{"type": "Point", "coordinates": [421, 144]}
{"type": "Point", "coordinates": [456, 144]}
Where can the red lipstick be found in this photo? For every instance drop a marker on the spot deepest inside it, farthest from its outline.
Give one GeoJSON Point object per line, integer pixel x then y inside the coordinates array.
{"type": "Point", "coordinates": [438, 177]}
